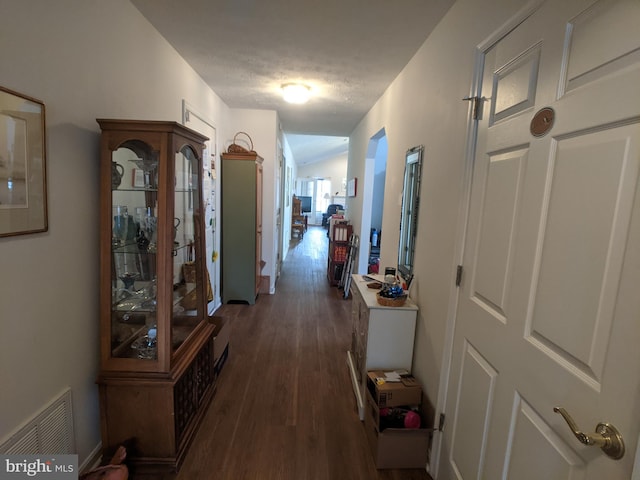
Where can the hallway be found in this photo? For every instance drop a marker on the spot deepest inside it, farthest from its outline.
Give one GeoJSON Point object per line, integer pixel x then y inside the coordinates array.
{"type": "Point", "coordinates": [284, 408]}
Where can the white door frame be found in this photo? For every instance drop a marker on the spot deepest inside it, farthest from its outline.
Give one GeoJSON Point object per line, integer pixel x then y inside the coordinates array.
{"type": "Point", "coordinates": [280, 195]}
{"type": "Point", "coordinates": [463, 218]}
{"type": "Point", "coordinates": [187, 111]}
{"type": "Point", "coordinates": [367, 201]}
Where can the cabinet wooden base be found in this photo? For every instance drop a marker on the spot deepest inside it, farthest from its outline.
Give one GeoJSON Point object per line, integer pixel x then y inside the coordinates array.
{"type": "Point", "coordinates": [154, 416]}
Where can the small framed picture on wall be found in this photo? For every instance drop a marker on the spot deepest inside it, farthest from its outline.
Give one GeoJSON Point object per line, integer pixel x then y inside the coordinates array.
{"type": "Point", "coordinates": [352, 187]}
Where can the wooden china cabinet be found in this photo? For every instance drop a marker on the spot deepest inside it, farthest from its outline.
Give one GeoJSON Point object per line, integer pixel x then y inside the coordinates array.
{"type": "Point", "coordinates": [157, 362]}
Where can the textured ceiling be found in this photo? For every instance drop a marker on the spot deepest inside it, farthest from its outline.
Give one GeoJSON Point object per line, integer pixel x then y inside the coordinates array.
{"type": "Point", "coordinates": [316, 148]}
{"type": "Point", "coordinates": [348, 51]}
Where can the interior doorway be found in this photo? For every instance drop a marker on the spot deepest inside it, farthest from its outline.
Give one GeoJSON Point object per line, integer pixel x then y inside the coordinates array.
{"type": "Point", "coordinates": [280, 202]}
{"type": "Point", "coordinates": [316, 195]}
{"type": "Point", "coordinates": [375, 172]}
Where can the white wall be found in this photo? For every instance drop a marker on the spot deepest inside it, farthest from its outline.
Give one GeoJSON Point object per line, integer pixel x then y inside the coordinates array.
{"type": "Point", "coordinates": [423, 106]}
{"type": "Point", "coordinates": [83, 59]}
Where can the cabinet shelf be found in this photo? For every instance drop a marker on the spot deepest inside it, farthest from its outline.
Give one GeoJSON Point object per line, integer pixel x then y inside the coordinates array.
{"type": "Point", "coordinates": [123, 349]}
{"type": "Point", "coordinates": [137, 189]}
{"type": "Point", "coordinates": [132, 247]}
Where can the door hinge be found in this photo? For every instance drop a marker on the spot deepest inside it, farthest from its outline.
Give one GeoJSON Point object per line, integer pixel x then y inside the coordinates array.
{"type": "Point", "coordinates": [458, 275]}
{"type": "Point", "coordinates": [476, 110]}
{"type": "Point", "coordinates": [441, 422]}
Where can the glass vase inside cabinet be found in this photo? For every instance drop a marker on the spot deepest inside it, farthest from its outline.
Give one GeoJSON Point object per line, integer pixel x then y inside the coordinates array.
{"type": "Point", "coordinates": [153, 301]}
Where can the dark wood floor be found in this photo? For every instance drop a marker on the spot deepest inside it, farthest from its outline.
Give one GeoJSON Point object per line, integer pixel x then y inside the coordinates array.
{"type": "Point", "coordinates": [284, 408]}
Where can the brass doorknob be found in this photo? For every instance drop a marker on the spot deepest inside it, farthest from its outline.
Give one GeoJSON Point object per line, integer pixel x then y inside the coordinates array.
{"type": "Point", "coordinates": [607, 437]}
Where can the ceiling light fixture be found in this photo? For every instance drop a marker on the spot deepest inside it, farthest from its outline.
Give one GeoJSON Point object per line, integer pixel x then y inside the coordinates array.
{"type": "Point", "coordinates": [296, 92]}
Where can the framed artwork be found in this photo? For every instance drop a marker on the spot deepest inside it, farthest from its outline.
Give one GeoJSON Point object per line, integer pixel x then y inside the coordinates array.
{"type": "Point", "coordinates": [23, 181]}
{"type": "Point", "coordinates": [352, 187]}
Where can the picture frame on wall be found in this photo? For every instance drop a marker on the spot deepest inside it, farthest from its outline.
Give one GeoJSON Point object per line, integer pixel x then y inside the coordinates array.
{"type": "Point", "coordinates": [352, 187]}
{"type": "Point", "coordinates": [23, 181]}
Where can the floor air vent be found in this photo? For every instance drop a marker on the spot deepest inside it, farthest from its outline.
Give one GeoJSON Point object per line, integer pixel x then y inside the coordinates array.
{"type": "Point", "coordinates": [49, 432]}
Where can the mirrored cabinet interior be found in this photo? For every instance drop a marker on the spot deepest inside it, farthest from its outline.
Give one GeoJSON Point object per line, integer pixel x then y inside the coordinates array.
{"type": "Point", "coordinates": [157, 372]}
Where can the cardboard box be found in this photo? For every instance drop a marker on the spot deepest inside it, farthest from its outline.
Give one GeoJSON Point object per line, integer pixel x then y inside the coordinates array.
{"type": "Point", "coordinates": [396, 447]}
{"type": "Point", "coordinates": [374, 412]}
{"type": "Point", "coordinates": [394, 394]}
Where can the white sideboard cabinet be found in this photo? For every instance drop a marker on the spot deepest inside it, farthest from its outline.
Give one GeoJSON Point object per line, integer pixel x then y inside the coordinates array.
{"type": "Point", "coordinates": [381, 338]}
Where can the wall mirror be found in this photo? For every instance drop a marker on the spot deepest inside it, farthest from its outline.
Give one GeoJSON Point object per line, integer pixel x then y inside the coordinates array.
{"type": "Point", "coordinates": [409, 212]}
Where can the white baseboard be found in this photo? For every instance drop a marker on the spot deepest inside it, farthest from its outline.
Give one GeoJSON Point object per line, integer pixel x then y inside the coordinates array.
{"type": "Point", "coordinates": [93, 460]}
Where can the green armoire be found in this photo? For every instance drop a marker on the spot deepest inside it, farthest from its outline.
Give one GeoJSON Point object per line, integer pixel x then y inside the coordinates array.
{"type": "Point", "coordinates": [241, 249]}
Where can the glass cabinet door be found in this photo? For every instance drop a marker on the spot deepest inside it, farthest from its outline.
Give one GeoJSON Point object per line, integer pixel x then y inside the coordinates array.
{"type": "Point", "coordinates": [154, 283]}
{"type": "Point", "coordinates": [187, 273]}
{"type": "Point", "coordinates": [134, 228]}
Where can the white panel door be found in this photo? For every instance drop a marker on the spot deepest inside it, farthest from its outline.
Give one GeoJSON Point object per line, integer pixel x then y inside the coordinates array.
{"type": "Point", "coordinates": [549, 308]}
{"type": "Point", "coordinates": [210, 189]}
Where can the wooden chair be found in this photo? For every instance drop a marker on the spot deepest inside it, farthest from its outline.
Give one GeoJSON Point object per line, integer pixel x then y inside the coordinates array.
{"type": "Point", "coordinates": [298, 220]}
